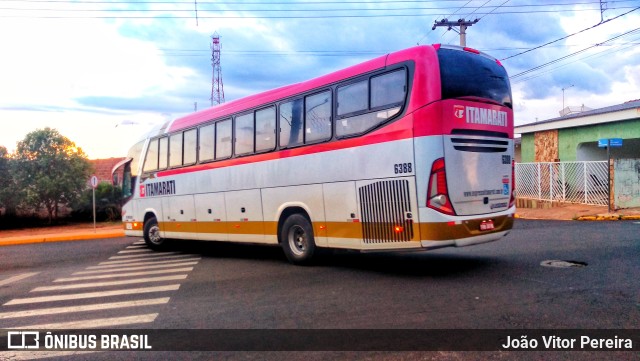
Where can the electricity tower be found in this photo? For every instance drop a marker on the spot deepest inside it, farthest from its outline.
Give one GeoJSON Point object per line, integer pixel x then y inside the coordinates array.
{"type": "Point", "coordinates": [217, 88]}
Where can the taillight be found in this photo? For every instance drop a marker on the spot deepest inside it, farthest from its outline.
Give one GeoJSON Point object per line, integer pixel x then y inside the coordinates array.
{"type": "Point", "coordinates": [512, 200]}
{"type": "Point", "coordinates": [438, 193]}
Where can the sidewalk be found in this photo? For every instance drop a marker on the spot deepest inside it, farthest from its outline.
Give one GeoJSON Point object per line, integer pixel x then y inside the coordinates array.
{"type": "Point", "coordinates": [85, 231]}
{"type": "Point", "coordinates": [580, 212]}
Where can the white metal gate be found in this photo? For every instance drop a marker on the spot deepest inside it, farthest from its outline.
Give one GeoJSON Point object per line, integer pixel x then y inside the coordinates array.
{"type": "Point", "coordinates": [574, 182]}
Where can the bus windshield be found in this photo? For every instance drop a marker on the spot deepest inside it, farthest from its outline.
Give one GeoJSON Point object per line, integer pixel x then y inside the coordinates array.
{"type": "Point", "coordinates": [127, 170]}
{"type": "Point", "coordinates": [466, 74]}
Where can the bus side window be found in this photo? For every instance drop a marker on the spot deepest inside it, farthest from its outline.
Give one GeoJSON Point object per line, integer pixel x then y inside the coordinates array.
{"type": "Point", "coordinates": [388, 89]}
{"type": "Point", "coordinates": [318, 117]}
{"type": "Point", "coordinates": [266, 129]}
{"type": "Point", "coordinates": [207, 142]}
{"type": "Point", "coordinates": [190, 146]}
{"type": "Point", "coordinates": [244, 134]}
{"type": "Point", "coordinates": [163, 152]}
{"type": "Point", "coordinates": [291, 123]}
{"type": "Point", "coordinates": [353, 98]}
{"type": "Point", "coordinates": [151, 159]}
{"type": "Point", "coordinates": [223, 139]}
{"type": "Point", "coordinates": [387, 93]}
{"type": "Point", "coordinates": [175, 150]}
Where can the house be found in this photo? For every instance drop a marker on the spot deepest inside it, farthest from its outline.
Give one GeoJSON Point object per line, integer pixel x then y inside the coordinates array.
{"type": "Point", "coordinates": [574, 136]}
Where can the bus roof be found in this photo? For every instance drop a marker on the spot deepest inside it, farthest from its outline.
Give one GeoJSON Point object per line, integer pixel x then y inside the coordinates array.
{"type": "Point", "coordinates": [270, 96]}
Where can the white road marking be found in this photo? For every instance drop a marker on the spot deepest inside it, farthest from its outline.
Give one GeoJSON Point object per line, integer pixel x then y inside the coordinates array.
{"type": "Point", "coordinates": [37, 355]}
{"type": "Point", "coordinates": [95, 323]}
{"type": "Point", "coordinates": [139, 242]}
{"type": "Point", "coordinates": [144, 256]}
{"type": "Point", "coordinates": [142, 250]}
{"type": "Point", "coordinates": [146, 263]}
{"type": "Point", "coordinates": [139, 246]}
{"type": "Point", "coordinates": [83, 308]}
{"type": "Point", "coordinates": [109, 283]}
{"type": "Point", "coordinates": [105, 269]}
{"type": "Point", "coordinates": [17, 278]}
{"type": "Point", "coordinates": [76, 296]}
{"type": "Point", "coordinates": [149, 259]}
{"type": "Point", "coordinates": [130, 274]}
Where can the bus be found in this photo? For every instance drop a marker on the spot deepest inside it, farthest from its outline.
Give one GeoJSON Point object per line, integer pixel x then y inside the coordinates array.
{"type": "Point", "coordinates": [412, 150]}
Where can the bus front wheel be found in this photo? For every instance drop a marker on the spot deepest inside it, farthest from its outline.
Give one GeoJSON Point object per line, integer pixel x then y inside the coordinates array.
{"type": "Point", "coordinates": [152, 234]}
{"type": "Point", "coordinates": [296, 237]}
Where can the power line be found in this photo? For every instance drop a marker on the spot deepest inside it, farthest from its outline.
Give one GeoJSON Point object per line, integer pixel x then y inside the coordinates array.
{"type": "Point", "coordinates": [570, 55]}
{"type": "Point", "coordinates": [188, 2]}
{"type": "Point", "coordinates": [496, 8]}
{"type": "Point", "coordinates": [570, 35]}
{"type": "Point", "coordinates": [336, 16]}
{"type": "Point", "coordinates": [200, 8]}
{"type": "Point", "coordinates": [600, 54]}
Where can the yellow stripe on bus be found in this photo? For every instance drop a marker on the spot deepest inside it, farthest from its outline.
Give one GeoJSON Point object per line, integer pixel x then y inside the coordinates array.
{"type": "Point", "coordinates": [436, 231]}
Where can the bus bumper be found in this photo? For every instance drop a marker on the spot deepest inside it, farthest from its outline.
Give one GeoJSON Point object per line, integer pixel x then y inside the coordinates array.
{"type": "Point", "coordinates": [469, 241]}
{"type": "Point", "coordinates": [466, 232]}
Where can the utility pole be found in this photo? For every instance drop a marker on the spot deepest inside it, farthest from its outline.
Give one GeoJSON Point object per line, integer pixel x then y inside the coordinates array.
{"type": "Point", "coordinates": [603, 8]}
{"type": "Point", "coordinates": [463, 24]}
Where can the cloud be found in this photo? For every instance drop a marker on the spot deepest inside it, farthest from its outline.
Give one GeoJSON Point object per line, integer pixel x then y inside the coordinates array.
{"type": "Point", "coordinates": [149, 69]}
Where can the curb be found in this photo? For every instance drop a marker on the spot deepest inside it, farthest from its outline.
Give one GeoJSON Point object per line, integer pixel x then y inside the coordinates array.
{"type": "Point", "coordinates": [613, 217]}
{"type": "Point", "coordinates": [56, 238]}
{"type": "Point", "coordinates": [601, 217]}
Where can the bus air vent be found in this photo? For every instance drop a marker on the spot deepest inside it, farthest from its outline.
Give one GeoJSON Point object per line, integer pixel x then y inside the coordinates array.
{"type": "Point", "coordinates": [386, 208]}
{"type": "Point", "coordinates": [479, 145]}
{"type": "Point", "coordinates": [480, 133]}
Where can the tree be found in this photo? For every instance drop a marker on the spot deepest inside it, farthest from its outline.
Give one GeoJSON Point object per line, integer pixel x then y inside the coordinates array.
{"type": "Point", "coordinates": [50, 169]}
{"type": "Point", "coordinates": [10, 193]}
{"type": "Point", "coordinates": [108, 206]}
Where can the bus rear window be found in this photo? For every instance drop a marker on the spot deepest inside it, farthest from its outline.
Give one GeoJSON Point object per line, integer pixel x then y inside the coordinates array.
{"type": "Point", "coordinates": [465, 74]}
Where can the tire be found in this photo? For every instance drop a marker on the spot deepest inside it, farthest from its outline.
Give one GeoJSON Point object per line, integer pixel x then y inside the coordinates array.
{"type": "Point", "coordinates": [151, 234]}
{"type": "Point", "coordinates": [296, 238]}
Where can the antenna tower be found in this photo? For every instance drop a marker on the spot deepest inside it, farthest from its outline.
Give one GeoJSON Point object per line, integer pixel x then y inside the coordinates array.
{"type": "Point", "coordinates": [217, 88]}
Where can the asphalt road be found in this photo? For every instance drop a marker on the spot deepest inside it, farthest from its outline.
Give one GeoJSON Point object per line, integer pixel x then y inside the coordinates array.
{"type": "Point", "coordinates": [500, 285]}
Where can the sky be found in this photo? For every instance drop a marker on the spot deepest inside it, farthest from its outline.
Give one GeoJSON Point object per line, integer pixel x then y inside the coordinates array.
{"type": "Point", "coordinates": [105, 72]}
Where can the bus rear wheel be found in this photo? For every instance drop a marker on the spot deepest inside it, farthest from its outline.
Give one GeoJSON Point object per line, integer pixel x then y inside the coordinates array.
{"type": "Point", "coordinates": [152, 236]}
{"type": "Point", "coordinates": [296, 238]}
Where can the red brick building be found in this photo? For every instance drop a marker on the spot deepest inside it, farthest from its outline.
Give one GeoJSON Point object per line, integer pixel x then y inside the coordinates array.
{"type": "Point", "coordinates": [102, 168]}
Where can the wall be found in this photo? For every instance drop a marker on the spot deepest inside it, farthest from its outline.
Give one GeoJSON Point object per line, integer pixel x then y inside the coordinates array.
{"type": "Point", "coordinates": [546, 146]}
{"type": "Point", "coordinates": [527, 148]}
{"type": "Point", "coordinates": [569, 139]}
{"type": "Point", "coordinates": [626, 183]}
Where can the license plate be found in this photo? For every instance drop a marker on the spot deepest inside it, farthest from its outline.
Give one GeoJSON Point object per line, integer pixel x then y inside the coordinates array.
{"type": "Point", "coordinates": [486, 225]}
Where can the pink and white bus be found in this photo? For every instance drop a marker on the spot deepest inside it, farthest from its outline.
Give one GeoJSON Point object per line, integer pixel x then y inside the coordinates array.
{"type": "Point", "coordinates": [409, 151]}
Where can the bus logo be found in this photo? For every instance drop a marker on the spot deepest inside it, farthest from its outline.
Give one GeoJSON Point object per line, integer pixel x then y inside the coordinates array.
{"type": "Point", "coordinates": [142, 192]}
{"type": "Point", "coordinates": [458, 111]}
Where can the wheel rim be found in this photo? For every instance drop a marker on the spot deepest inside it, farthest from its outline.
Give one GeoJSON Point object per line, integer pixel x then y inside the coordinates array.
{"type": "Point", "coordinates": [298, 240]}
{"type": "Point", "coordinates": [154, 234]}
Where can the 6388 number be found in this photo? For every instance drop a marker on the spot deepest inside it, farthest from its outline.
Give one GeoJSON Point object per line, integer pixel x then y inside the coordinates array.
{"type": "Point", "coordinates": [401, 168]}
